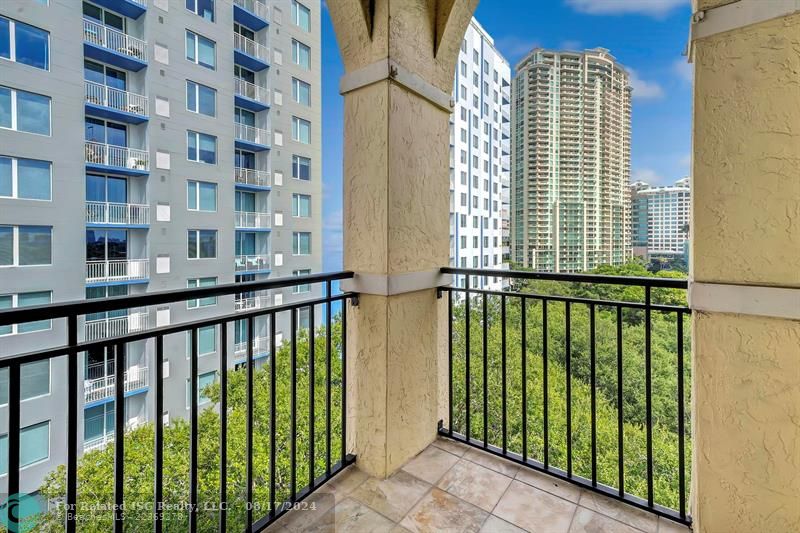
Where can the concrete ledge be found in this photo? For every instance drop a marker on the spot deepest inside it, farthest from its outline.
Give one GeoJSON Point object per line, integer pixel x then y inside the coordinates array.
{"type": "Point", "coordinates": [738, 15]}
{"type": "Point", "coordinates": [777, 302]}
{"type": "Point", "coordinates": [390, 285]}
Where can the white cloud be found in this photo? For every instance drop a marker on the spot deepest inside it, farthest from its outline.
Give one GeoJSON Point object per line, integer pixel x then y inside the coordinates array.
{"type": "Point", "coordinates": [643, 89]}
{"type": "Point", "coordinates": [514, 47]}
{"type": "Point", "coordinates": [652, 8]}
{"type": "Point", "coordinates": [647, 175]}
{"type": "Point", "coordinates": [683, 69]}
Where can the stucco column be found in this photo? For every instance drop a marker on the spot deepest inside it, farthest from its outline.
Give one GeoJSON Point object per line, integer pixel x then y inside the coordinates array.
{"type": "Point", "coordinates": [399, 59]}
{"type": "Point", "coordinates": [746, 268]}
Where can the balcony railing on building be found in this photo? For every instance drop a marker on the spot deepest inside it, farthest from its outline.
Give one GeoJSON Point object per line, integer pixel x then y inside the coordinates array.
{"type": "Point", "coordinates": [117, 270]}
{"type": "Point", "coordinates": [125, 101]}
{"type": "Point", "coordinates": [117, 156]}
{"type": "Point", "coordinates": [256, 7]}
{"type": "Point", "coordinates": [251, 301]}
{"type": "Point", "coordinates": [103, 386]}
{"type": "Point", "coordinates": [251, 90]}
{"type": "Point", "coordinates": [251, 134]}
{"type": "Point", "coordinates": [251, 176]}
{"type": "Point", "coordinates": [117, 213]}
{"type": "Point", "coordinates": [114, 326]}
{"type": "Point", "coordinates": [246, 263]}
{"type": "Point", "coordinates": [260, 345]}
{"type": "Point", "coordinates": [252, 220]}
{"type": "Point", "coordinates": [114, 40]}
{"type": "Point", "coordinates": [100, 442]}
{"type": "Point", "coordinates": [250, 47]}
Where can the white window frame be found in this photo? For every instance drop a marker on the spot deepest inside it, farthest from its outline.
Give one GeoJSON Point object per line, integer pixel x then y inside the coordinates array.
{"type": "Point", "coordinates": [199, 353]}
{"type": "Point", "coordinates": [296, 47]}
{"type": "Point", "coordinates": [197, 135]}
{"type": "Point", "coordinates": [299, 121]}
{"type": "Point", "coordinates": [298, 167]}
{"type": "Point", "coordinates": [49, 382]}
{"type": "Point", "coordinates": [189, 392]}
{"type": "Point", "coordinates": [14, 121]}
{"type": "Point", "coordinates": [304, 287]}
{"type": "Point", "coordinates": [197, 98]}
{"type": "Point", "coordinates": [197, 232]}
{"type": "Point", "coordinates": [12, 45]}
{"type": "Point", "coordinates": [15, 305]}
{"type": "Point", "coordinates": [213, 11]}
{"type": "Point", "coordinates": [296, 6]}
{"type": "Point", "coordinates": [196, 59]}
{"type": "Point", "coordinates": [15, 178]}
{"type": "Point", "coordinates": [15, 247]}
{"type": "Point", "coordinates": [296, 235]}
{"type": "Point", "coordinates": [197, 196]}
{"type": "Point", "coordinates": [296, 83]}
{"type": "Point", "coordinates": [49, 447]}
{"type": "Point", "coordinates": [295, 203]}
{"type": "Point", "coordinates": [196, 303]}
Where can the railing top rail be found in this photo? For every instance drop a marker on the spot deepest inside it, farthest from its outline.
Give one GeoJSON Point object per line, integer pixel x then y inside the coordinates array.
{"type": "Point", "coordinates": [637, 281]}
{"type": "Point", "coordinates": [82, 307]}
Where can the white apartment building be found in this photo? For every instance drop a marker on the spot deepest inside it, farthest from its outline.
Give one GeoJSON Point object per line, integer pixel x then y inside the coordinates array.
{"type": "Point", "coordinates": [660, 219]}
{"type": "Point", "coordinates": [571, 162]}
{"type": "Point", "coordinates": [479, 155]}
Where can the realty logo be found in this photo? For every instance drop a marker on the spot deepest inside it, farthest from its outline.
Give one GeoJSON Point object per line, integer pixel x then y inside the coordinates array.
{"type": "Point", "coordinates": [19, 512]}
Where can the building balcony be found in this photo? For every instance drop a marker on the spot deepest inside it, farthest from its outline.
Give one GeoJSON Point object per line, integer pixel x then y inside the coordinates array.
{"type": "Point", "coordinates": [103, 328]}
{"type": "Point", "coordinates": [102, 157]}
{"type": "Point", "coordinates": [102, 387]}
{"type": "Point", "coordinates": [252, 220]}
{"type": "Point", "coordinates": [250, 138]}
{"type": "Point", "coordinates": [260, 346]}
{"type": "Point", "coordinates": [251, 263]}
{"type": "Point", "coordinates": [116, 214]}
{"type": "Point", "coordinates": [115, 104]}
{"type": "Point", "coordinates": [98, 443]}
{"type": "Point", "coordinates": [250, 96]}
{"type": "Point", "coordinates": [118, 270]}
{"type": "Point", "coordinates": [248, 302]}
{"type": "Point", "coordinates": [246, 178]}
{"type": "Point", "coordinates": [251, 13]}
{"type": "Point", "coordinates": [130, 8]}
{"type": "Point", "coordinates": [250, 54]}
{"type": "Point", "coordinates": [113, 47]}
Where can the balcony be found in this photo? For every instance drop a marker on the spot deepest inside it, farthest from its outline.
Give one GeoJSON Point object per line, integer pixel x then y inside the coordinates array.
{"type": "Point", "coordinates": [250, 96]}
{"type": "Point", "coordinates": [251, 13]}
{"type": "Point", "coordinates": [102, 157]}
{"type": "Point", "coordinates": [247, 302]}
{"type": "Point", "coordinates": [260, 347]}
{"type": "Point", "coordinates": [251, 264]}
{"type": "Point", "coordinates": [250, 178]}
{"type": "Point", "coordinates": [132, 322]}
{"type": "Point", "coordinates": [114, 47]}
{"type": "Point", "coordinates": [115, 104]}
{"type": "Point", "coordinates": [116, 214]}
{"type": "Point", "coordinates": [250, 54]}
{"type": "Point", "coordinates": [98, 443]}
{"type": "Point", "coordinates": [118, 270]}
{"type": "Point", "coordinates": [252, 221]}
{"type": "Point", "coordinates": [102, 387]}
{"type": "Point", "coordinates": [130, 8]}
{"type": "Point", "coordinates": [250, 138]}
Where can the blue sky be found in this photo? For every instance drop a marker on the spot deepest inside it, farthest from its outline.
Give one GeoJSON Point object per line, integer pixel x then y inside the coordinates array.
{"type": "Point", "coordinates": [647, 36]}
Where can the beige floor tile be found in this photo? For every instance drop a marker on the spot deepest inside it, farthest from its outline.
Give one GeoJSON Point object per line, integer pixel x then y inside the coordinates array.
{"type": "Point", "coordinates": [668, 526]}
{"type": "Point", "coordinates": [620, 511]}
{"type": "Point", "coordinates": [399, 529]}
{"type": "Point", "coordinates": [431, 464]}
{"type": "Point", "coordinates": [587, 521]}
{"type": "Point", "coordinates": [454, 447]}
{"type": "Point", "coordinates": [534, 509]}
{"type": "Point", "coordinates": [440, 511]}
{"type": "Point", "coordinates": [313, 509]}
{"type": "Point", "coordinates": [496, 525]}
{"type": "Point", "coordinates": [392, 497]}
{"type": "Point", "coordinates": [566, 490]}
{"type": "Point", "coordinates": [507, 468]}
{"type": "Point", "coordinates": [350, 516]}
{"type": "Point", "coordinates": [345, 483]}
{"type": "Point", "coordinates": [475, 484]}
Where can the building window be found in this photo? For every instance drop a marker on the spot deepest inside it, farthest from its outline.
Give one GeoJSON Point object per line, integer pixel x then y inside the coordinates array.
{"type": "Point", "coordinates": [34, 380]}
{"type": "Point", "coordinates": [301, 243]}
{"type": "Point", "coordinates": [194, 283]}
{"type": "Point", "coordinates": [25, 299]}
{"type": "Point", "coordinates": [34, 446]}
{"type": "Point", "coordinates": [301, 130]}
{"type": "Point", "coordinates": [201, 147]}
{"type": "Point", "coordinates": [24, 44]}
{"type": "Point", "coordinates": [301, 92]}
{"type": "Point", "coordinates": [202, 244]}
{"type": "Point", "coordinates": [301, 168]}
{"type": "Point", "coordinates": [201, 50]}
{"type": "Point", "coordinates": [203, 381]}
{"type": "Point", "coordinates": [303, 287]}
{"type": "Point", "coordinates": [301, 205]}
{"type": "Point", "coordinates": [201, 196]}
{"type": "Point", "coordinates": [28, 179]}
{"type": "Point", "coordinates": [301, 15]}
{"type": "Point", "coordinates": [24, 111]}
{"type": "Point", "coordinates": [301, 54]}
{"type": "Point", "coordinates": [206, 341]}
{"type": "Point", "coordinates": [201, 99]}
{"type": "Point", "coordinates": [204, 8]}
{"type": "Point", "coordinates": [25, 245]}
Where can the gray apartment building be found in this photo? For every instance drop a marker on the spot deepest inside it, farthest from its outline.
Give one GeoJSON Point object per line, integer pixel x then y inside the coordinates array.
{"type": "Point", "coordinates": [149, 145]}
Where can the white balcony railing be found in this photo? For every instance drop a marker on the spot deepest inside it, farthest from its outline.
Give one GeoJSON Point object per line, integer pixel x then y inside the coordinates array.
{"type": "Point", "coordinates": [260, 345]}
{"type": "Point", "coordinates": [115, 40]}
{"type": "Point", "coordinates": [251, 91]}
{"type": "Point", "coordinates": [117, 270]}
{"type": "Point", "coordinates": [251, 302]}
{"type": "Point", "coordinates": [251, 134]}
{"type": "Point", "coordinates": [255, 7]}
{"type": "Point", "coordinates": [102, 421]}
{"type": "Point", "coordinates": [115, 213]}
{"type": "Point", "coordinates": [252, 220]}
{"type": "Point", "coordinates": [106, 96]}
{"type": "Point", "coordinates": [115, 326]}
{"type": "Point", "coordinates": [250, 47]}
{"type": "Point", "coordinates": [136, 377]}
{"type": "Point", "coordinates": [251, 176]}
{"type": "Point", "coordinates": [117, 156]}
{"type": "Point", "coordinates": [243, 263]}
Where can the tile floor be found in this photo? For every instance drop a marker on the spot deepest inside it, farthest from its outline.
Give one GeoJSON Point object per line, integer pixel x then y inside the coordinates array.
{"type": "Point", "coordinates": [452, 487]}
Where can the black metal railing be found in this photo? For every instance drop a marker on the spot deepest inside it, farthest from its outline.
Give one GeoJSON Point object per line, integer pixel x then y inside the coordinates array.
{"type": "Point", "coordinates": [325, 436]}
{"type": "Point", "coordinates": [579, 376]}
